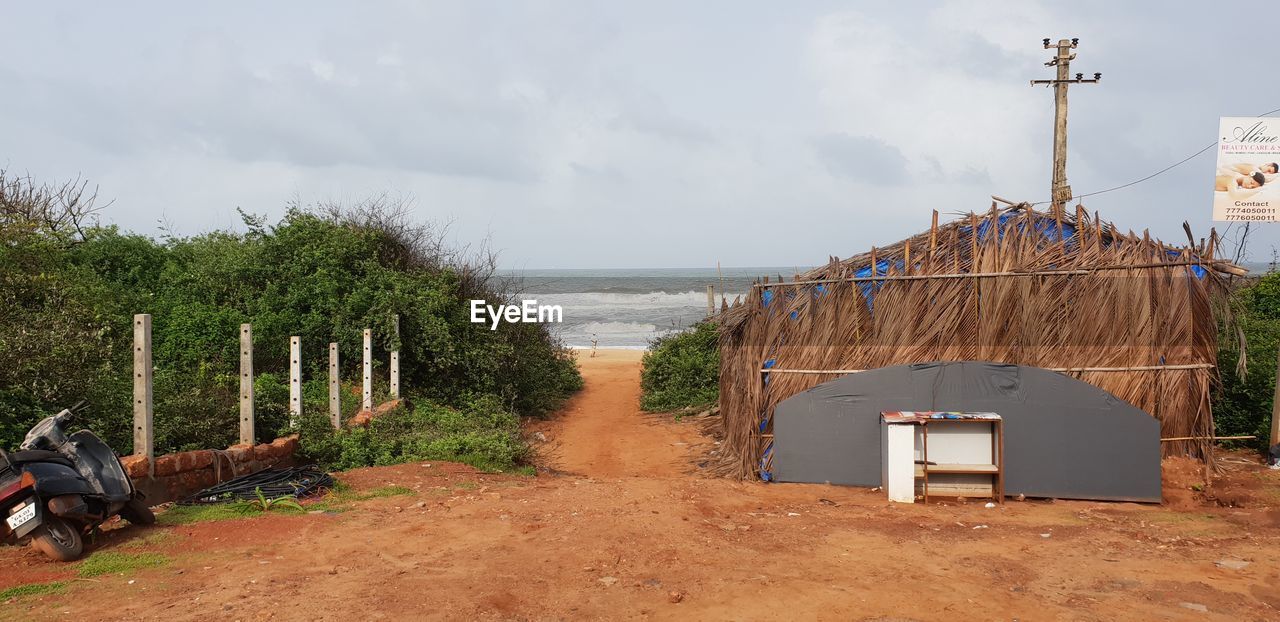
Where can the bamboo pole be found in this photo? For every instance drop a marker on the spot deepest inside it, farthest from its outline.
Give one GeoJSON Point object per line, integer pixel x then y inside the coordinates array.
{"type": "Point", "coordinates": [1207, 438]}
{"type": "Point", "coordinates": [990, 275]}
{"type": "Point", "coordinates": [933, 237]}
{"type": "Point", "coordinates": [1062, 370]}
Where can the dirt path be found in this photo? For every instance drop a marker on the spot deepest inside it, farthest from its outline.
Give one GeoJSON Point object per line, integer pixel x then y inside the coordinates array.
{"type": "Point", "coordinates": [450, 543]}
{"type": "Point", "coordinates": [601, 432]}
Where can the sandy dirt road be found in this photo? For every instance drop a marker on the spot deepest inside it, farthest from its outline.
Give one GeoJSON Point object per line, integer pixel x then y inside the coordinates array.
{"type": "Point", "coordinates": [614, 535]}
{"type": "Point", "coordinates": [601, 432]}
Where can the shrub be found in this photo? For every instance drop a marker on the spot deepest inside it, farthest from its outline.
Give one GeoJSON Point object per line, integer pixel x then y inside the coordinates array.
{"type": "Point", "coordinates": [681, 370]}
{"type": "Point", "coordinates": [324, 274]}
{"type": "Point", "coordinates": [482, 432]}
{"type": "Point", "coordinates": [1242, 405]}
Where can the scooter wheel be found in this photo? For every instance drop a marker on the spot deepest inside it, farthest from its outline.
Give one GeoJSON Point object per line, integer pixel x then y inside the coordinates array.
{"type": "Point", "coordinates": [137, 513]}
{"type": "Point", "coordinates": [58, 539]}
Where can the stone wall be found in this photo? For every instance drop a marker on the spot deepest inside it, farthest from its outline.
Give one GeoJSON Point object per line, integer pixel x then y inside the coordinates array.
{"type": "Point", "coordinates": [179, 475]}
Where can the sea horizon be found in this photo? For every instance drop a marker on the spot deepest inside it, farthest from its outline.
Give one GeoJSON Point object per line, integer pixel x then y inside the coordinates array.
{"type": "Point", "coordinates": [630, 307]}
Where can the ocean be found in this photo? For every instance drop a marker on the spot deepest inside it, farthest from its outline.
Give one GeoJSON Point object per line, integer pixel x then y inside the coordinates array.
{"type": "Point", "coordinates": [629, 308]}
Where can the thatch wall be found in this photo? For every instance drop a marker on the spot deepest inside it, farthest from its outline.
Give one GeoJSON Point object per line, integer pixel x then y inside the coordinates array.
{"type": "Point", "coordinates": [1138, 315]}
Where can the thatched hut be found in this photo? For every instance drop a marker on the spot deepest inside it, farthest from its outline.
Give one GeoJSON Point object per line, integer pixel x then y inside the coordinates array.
{"type": "Point", "coordinates": [1067, 292]}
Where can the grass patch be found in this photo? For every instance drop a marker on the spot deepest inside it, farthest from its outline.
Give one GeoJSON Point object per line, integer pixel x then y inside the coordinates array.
{"type": "Point", "coordinates": [152, 539]}
{"type": "Point", "coordinates": [33, 589]}
{"type": "Point", "coordinates": [341, 495]}
{"type": "Point", "coordinates": [186, 514]}
{"type": "Point", "coordinates": [378, 493]}
{"type": "Point", "coordinates": [338, 499]}
{"type": "Point", "coordinates": [1176, 517]}
{"type": "Point", "coordinates": [115, 562]}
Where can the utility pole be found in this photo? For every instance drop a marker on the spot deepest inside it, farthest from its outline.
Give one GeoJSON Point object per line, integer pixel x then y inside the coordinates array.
{"type": "Point", "coordinates": [1060, 192]}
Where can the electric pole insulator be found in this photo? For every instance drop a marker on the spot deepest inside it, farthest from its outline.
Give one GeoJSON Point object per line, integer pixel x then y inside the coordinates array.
{"type": "Point", "coordinates": [1060, 192]}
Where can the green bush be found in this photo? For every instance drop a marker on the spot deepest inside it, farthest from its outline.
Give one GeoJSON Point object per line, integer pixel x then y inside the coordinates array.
{"type": "Point", "coordinates": [69, 295]}
{"type": "Point", "coordinates": [681, 370]}
{"type": "Point", "coordinates": [17, 412]}
{"type": "Point", "coordinates": [1242, 405]}
{"type": "Point", "coordinates": [483, 432]}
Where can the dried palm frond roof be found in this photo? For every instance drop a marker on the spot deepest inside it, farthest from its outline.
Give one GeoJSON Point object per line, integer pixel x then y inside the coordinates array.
{"type": "Point", "coordinates": [1123, 311]}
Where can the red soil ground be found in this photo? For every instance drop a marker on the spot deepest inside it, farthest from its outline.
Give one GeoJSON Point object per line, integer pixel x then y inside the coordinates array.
{"type": "Point", "coordinates": [620, 528]}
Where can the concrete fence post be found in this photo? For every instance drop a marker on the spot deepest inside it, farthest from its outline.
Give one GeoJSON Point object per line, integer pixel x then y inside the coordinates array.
{"type": "Point", "coordinates": [335, 388]}
{"type": "Point", "coordinates": [367, 394]}
{"type": "Point", "coordinates": [711, 300]}
{"type": "Point", "coordinates": [395, 362]}
{"type": "Point", "coordinates": [247, 436]}
{"type": "Point", "coordinates": [143, 413]}
{"type": "Point", "coordinates": [295, 379]}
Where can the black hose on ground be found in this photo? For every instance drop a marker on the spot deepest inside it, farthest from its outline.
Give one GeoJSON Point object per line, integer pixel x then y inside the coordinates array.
{"type": "Point", "coordinates": [294, 482]}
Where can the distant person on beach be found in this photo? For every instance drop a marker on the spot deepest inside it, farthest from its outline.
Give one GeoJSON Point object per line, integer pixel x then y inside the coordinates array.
{"type": "Point", "coordinates": [594, 342]}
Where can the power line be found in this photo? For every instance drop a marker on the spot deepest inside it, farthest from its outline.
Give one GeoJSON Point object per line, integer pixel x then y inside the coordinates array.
{"type": "Point", "coordinates": [1155, 174]}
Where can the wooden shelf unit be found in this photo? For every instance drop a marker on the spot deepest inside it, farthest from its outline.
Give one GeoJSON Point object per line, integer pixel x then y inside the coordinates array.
{"type": "Point", "coordinates": [996, 469]}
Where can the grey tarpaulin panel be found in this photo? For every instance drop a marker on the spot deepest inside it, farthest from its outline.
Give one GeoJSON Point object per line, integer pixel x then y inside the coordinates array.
{"type": "Point", "coordinates": [1063, 437]}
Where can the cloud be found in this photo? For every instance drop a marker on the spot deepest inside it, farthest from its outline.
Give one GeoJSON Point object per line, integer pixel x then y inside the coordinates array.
{"type": "Point", "coordinates": [938, 93]}
{"type": "Point", "coordinates": [862, 158]}
{"type": "Point", "coordinates": [659, 134]}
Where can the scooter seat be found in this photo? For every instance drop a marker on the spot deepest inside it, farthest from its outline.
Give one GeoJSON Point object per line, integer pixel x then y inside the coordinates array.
{"type": "Point", "coordinates": [39, 455]}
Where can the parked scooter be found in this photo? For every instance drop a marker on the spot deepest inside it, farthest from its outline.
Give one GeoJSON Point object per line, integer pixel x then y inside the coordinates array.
{"type": "Point", "coordinates": [57, 488]}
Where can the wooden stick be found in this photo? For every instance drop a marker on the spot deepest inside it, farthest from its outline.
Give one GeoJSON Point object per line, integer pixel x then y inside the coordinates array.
{"type": "Point", "coordinates": [973, 241]}
{"type": "Point", "coordinates": [1055, 369]}
{"type": "Point", "coordinates": [933, 237]}
{"type": "Point", "coordinates": [1136, 368]}
{"type": "Point", "coordinates": [988, 275]}
{"type": "Point", "coordinates": [1097, 233]}
{"type": "Point", "coordinates": [1207, 438]}
{"type": "Point", "coordinates": [1057, 215]}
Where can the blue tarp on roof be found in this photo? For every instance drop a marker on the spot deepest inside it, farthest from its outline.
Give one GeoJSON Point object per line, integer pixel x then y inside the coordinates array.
{"type": "Point", "coordinates": [1047, 227]}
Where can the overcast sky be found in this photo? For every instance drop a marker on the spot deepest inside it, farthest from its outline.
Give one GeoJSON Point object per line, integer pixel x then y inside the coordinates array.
{"type": "Point", "coordinates": [640, 134]}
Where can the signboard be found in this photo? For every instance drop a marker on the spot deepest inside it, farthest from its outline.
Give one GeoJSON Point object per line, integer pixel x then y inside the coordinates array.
{"type": "Point", "coordinates": [1247, 181]}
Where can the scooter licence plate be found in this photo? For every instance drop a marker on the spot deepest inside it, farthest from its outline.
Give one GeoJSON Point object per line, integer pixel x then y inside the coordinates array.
{"type": "Point", "coordinates": [19, 518]}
